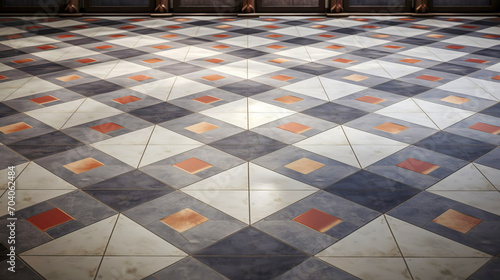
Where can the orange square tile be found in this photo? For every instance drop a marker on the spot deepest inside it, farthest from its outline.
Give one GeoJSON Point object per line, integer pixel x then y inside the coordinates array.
{"type": "Point", "coordinates": [295, 127]}
{"type": "Point", "coordinates": [181, 19]}
{"type": "Point", "coordinates": [491, 36]}
{"type": "Point", "coordinates": [271, 26]}
{"type": "Point", "coordinates": [455, 47]}
{"type": "Point", "coordinates": [221, 36]}
{"type": "Point", "coordinates": [453, 19]}
{"type": "Point", "coordinates": [435, 36]}
{"type": "Point", "coordinates": [326, 36]}
{"type": "Point", "coordinates": [274, 36]}
{"type": "Point", "coordinates": [360, 19]}
{"type": "Point", "coordinates": [128, 27]}
{"type": "Point", "coordinates": [270, 19]}
{"type": "Point", "coordinates": [276, 47]}
{"type": "Point", "coordinates": [220, 47]}
{"type": "Point", "coordinates": [410, 60]}
{"type": "Point", "coordinates": [319, 26]}
{"type": "Point", "coordinates": [496, 77]}
{"type": "Point", "coordinates": [419, 26]}
{"type": "Point", "coordinates": [480, 61]}
{"type": "Point", "coordinates": [391, 127]}
{"type": "Point", "coordinates": [65, 36]}
{"type": "Point", "coordinates": [152, 60]}
{"type": "Point", "coordinates": [213, 78]}
{"type": "Point", "coordinates": [488, 128]}
{"type": "Point", "coordinates": [14, 36]}
{"type": "Point", "coordinates": [279, 60]}
{"type": "Point", "coordinates": [457, 221]}
{"type": "Point", "coordinates": [418, 166]}
{"type": "Point", "coordinates": [46, 47]}
{"type": "Point", "coordinates": [316, 19]}
{"type": "Point", "coordinates": [207, 99]}
{"type": "Point", "coordinates": [162, 47]}
{"type": "Point", "coordinates": [86, 60]}
{"type": "Point", "coordinates": [103, 47]}
{"type": "Point", "coordinates": [193, 165]}
{"type": "Point", "coordinates": [107, 127]}
{"type": "Point", "coordinates": [169, 36]}
{"type": "Point", "coordinates": [83, 165]}
{"type": "Point", "coordinates": [44, 99]}
{"type": "Point", "coordinates": [137, 19]}
{"type": "Point", "coordinates": [184, 220]}
{"type": "Point", "coordinates": [343, 60]}
{"type": "Point", "coordinates": [380, 36]}
{"type": "Point", "coordinates": [225, 26]}
{"type": "Point", "coordinates": [393, 47]}
{"type": "Point", "coordinates": [429, 78]}
{"type": "Point", "coordinates": [227, 19]}
{"type": "Point", "coordinates": [69, 78]}
{"type": "Point", "coordinates": [33, 27]}
{"type": "Point", "coordinates": [140, 78]}
{"type": "Point", "coordinates": [91, 19]}
{"type": "Point", "coordinates": [282, 78]}
{"type": "Point", "coordinates": [371, 99]}
{"type": "Point", "coordinates": [304, 165]}
{"type": "Point", "coordinates": [370, 26]}
{"type": "Point", "coordinates": [455, 99]}
{"type": "Point", "coordinates": [469, 26]}
{"type": "Point", "coordinates": [80, 26]}
{"type": "Point", "coordinates": [288, 99]}
{"type": "Point", "coordinates": [214, 60]}
{"type": "Point", "coordinates": [174, 26]}
{"type": "Point", "coordinates": [11, 128]}
{"type": "Point", "coordinates": [126, 99]}
{"type": "Point", "coordinates": [2, 77]}
{"type": "Point", "coordinates": [335, 47]}
{"type": "Point", "coordinates": [318, 220]}
{"type": "Point", "coordinates": [23, 60]}
{"type": "Point", "coordinates": [201, 127]}
{"type": "Point", "coordinates": [355, 78]}
{"type": "Point", "coordinates": [49, 219]}
{"type": "Point", "coordinates": [406, 19]}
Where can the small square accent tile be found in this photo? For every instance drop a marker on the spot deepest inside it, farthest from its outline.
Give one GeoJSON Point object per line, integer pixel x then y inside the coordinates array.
{"type": "Point", "coordinates": [457, 221]}
{"type": "Point", "coordinates": [295, 127]}
{"type": "Point", "coordinates": [326, 36]}
{"type": "Point", "coordinates": [170, 36]}
{"type": "Point", "coordinates": [46, 47]}
{"type": "Point", "coordinates": [419, 26]}
{"type": "Point", "coordinates": [33, 27]}
{"type": "Point", "coordinates": [491, 36]}
{"type": "Point", "coordinates": [207, 99]}
{"type": "Point", "coordinates": [126, 99]}
{"type": "Point", "coordinates": [66, 36]}
{"type": "Point", "coordinates": [220, 47]}
{"type": "Point", "coordinates": [140, 78]}
{"type": "Point", "coordinates": [2, 77]}
{"type": "Point", "coordinates": [288, 99]}
{"type": "Point", "coordinates": [271, 26]}
{"type": "Point", "coordinates": [44, 99]}
{"type": "Point", "coordinates": [410, 60]}
{"type": "Point", "coordinates": [152, 60]}
{"type": "Point", "coordinates": [361, 19]}
{"type": "Point", "coordinates": [418, 166]}
{"type": "Point", "coordinates": [274, 36]}
{"type": "Point", "coordinates": [104, 47]}
{"type": "Point", "coordinates": [221, 36]}
{"type": "Point", "coordinates": [86, 60]}
{"type": "Point", "coordinates": [343, 60]}
{"type": "Point", "coordinates": [193, 165]}
{"type": "Point", "coordinates": [469, 26]}
{"type": "Point", "coordinates": [11, 128]}
{"type": "Point", "coordinates": [391, 127]}
{"type": "Point", "coordinates": [279, 60]}
{"type": "Point", "coordinates": [80, 26]}
{"type": "Point", "coordinates": [223, 26]}
{"type": "Point", "coordinates": [496, 77]}
{"type": "Point", "coordinates": [49, 219]}
{"type": "Point", "coordinates": [381, 36]}
{"type": "Point", "coordinates": [201, 127]}
{"type": "Point", "coordinates": [69, 78]}
{"type": "Point", "coordinates": [174, 26]}
{"type": "Point", "coordinates": [282, 78]}
{"type": "Point", "coordinates": [355, 78]}
{"type": "Point", "coordinates": [276, 47]}
{"type": "Point", "coordinates": [26, 60]}
{"type": "Point", "coordinates": [213, 78]}
{"type": "Point", "coordinates": [184, 220]}
{"type": "Point", "coordinates": [117, 36]}
{"type": "Point", "coordinates": [455, 99]}
{"type": "Point", "coordinates": [319, 26]}
{"type": "Point", "coordinates": [14, 36]}
{"type": "Point", "coordinates": [318, 220]}
{"type": "Point", "coordinates": [161, 47]}
{"type": "Point", "coordinates": [214, 60]}
{"type": "Point", "coordinates": [393, 47]}
{"type": "Point", "coordinates": [371, 99]}
{"type": "Point", "coordinates": [480, 61]}
{"type": "Point", "coordinates": [128, 27]}
{"type": "Point", "coordinates": [437, 36]}
{"type": "Point", "coordinates": [455, 47]}
{"type": "Point", "coordinates": [83, 165]}
{"type": "Point", "coordinates": [335, 47]}
{"type": "Point", "coordinates": [488, 128]}
{"type": "Point", "coordinates": [107, 127]}
{"type": "Point", "coordinates": [304, 165]}
{"type": "Point", "coordinates": [369, 26]}
{"type": "Point", "coordinates": [429, 78]}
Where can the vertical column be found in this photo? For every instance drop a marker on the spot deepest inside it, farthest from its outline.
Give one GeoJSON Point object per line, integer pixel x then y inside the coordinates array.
{"type": "Point", "coordinates": [336, 6]}
{"type": "Point", "coordinates": [72, 6]}
{"type": "Point", "coordinates": [421, 6]}
{"type": "Point", "coordinates": [161, 6]}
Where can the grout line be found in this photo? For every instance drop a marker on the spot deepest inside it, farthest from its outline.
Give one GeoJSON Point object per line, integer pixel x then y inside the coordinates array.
{"type": "Point", "coordinates": [397, 244]}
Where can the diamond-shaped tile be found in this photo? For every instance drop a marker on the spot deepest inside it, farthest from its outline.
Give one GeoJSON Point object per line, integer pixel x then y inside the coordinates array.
{"type": "Point", "coordinates": [418, 166]}
{"type": "Point", "coordinates": [201, 127]}
{"type": "Point", "coordinates": [49, 219]}
{"type": "Point", "coordinates": [11, 128]}
{"type": "Point", "coordinates": [86, 60]}
{"type": "Point", "coordinates": [46, 47]}
{"type": "Point", "coordinates": [193, 165]}
{"type": "Point", "coordinates": [184, 220]}
{"type": "Point", "coordinates": [318, 220]}
{"type": "Point", "coordinates": [457, 221]}
{"type": "Point", "coordinates": [479, 61]}
{"type": "Point", "coordinates": [220, 47]}
{"type": "Point", "coordinates": [305, 165]}
{"type": "Point", "coordinates": [276, 47]}
{"type": "Point", "coordinates": [335, 47]}
{"type": "Point", "coordinates": [391, 127]}
{"type": "Point", "coordinates": [104, 47]}
{"type": "Point", "coordinates": [83, 165]}
{"type": "Point", "coordinates": [162, 47]}
{"type": "Point", "coordinates": [295, 127]}
{"type": "Point", "coordinates": [214, 60]}
{"type": "Point", "coordinates": [21, 61]}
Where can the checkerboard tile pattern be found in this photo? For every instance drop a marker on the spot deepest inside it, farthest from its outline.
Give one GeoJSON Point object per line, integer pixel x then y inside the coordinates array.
{"type": "Point", "coordinates": [263, 148]}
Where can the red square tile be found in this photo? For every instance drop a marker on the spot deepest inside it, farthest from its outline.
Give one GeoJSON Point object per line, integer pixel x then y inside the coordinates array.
{"type": "Point", "coordinates": [419, 26]}
{"type": "Point", "coordinates": [107, 127]}
{"type": "Point", "coordinates": [221, 36]}
{"type": "Point", "coordinates": [391, 127]}
{"type": "Point", "coordinates": [380, 36]}
{"type": "Point", "coordinates": [181, 19]}
{"type": "Point", "coordinates": [429, 78]}
{"type": "Point", "coordinates": [318, 220]}
{"type": "Point", "coordinates": [343, 60]}
{"type": "Point", "coordinates": [435, 36]}
{"type": "Point", "coordinates": [406, 19]}
{"type": "Point", "coordinates": [2, 77]}
{"type": "Point", "coordinates": [271, 26]}
{"type": "Point", "coordinates": [26, 60]}
{"type": "Point", "coordinates": [410, 60]}
{"type": "Point", "coordinates": [127, 99]}
{"type": "Point", "coordinates": [326, 36]}
{"type": "Point", "coordinates": [279, 60]}
{"type": "Point", "coordinates": [276, 47]}
{"type": "Point", "coordinates": [214, 60]}
{"type": "Point", "coordinates": [170, 36]}
{"type": "Point", "coordinates": [117, 36]}
{"type": "Point", "coordinates": [86, 60]}
{"type": "Point", "coordinates": [371, 99]}
{"type": "Point", "coordinates": [207, 99]}
{"type": "Point", "coordinates": [14, 36]}
{"type": "Point", "coordinates": [393, 47]}
{"type": "Point", "coordinates": [80, 26]}
{"type": "Point", "coordinates": [44, 99]}
{"type": "Point", "coordinates": [274, 36]}
{"type": "Point", "coordinates": [370, 26]}
{"type": "Point", "coordinates": [491, 36]}
{"type": "Point", "coordinates": [295, 127]}
{"type": "Point", "coordinates": [33, 27]}
{"type": "Point", "coordinates": [184, 220]}
{"type": "Point", "coordinates": [66, 36]}
{"type": "Point", "coordinates": [316, 19]}
{"type": "Point", "coordinates": [137, 19]}
{"type": "Point", "coordinates": [319, 26]}
{"type": "Point", "coordinates": [11, 128]}
{"type": "Point", "coordinates": [480, 61]}
{"type": "Point", "coordinates": [288, 99]}
{"type": "Point", "coordinates": [454, 47]}
{"type": "Point", "coordinates": [152, 60]}
{"type": "Point", "coordinates": [282, 78]}
{"type": "Point", "coordinates": [140, 78]}
{"type": "Point", "coordinates": [496, 77]}
{"type": "Point", "coordinates": [161, 47]}
{"type": "Point", "coordinates": [361, 19]}
{"type": "Point", "coordinates": [220, 47]}
{"type": "Point", "coordinates": [49, 219]}
{"type": "Point", "coordinates": [224, 26]}
{"type": "Point", "coordinates": [270, 19]}
{"type": "Point", "coordinates": [418, 166]}
{"type": "Point", "coordinates": [488, 128]}
{"type": "Point", "coordinates": [213, 78]}
{"type": "Point", "coordinates": [469, 26]}
{"type": "Point", "coordinates": [128, 27]}
{"type": "Point", "coordinates": [335, 47]}
{"type": "Point", "coordinates": [457, 221]}
{"type": "Point", "coordinates": [83, 165]}
{"type": "Point", "coordinates": [174, 26]}
{"type": "Point", "coordinates": [193, 165]}
{"type": "Point", "coordinates": [46, 47]}
{"type": "Point", "coordinates": [104, 47]}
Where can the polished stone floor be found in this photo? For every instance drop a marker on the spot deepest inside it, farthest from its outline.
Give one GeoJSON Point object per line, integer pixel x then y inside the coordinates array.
{"type": "Point", "coordinates": [266, 148]}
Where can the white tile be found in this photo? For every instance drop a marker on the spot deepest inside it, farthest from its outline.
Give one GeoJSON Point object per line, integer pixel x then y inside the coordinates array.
{"type": "Point", "coordinates": [234, 113]}
{"type": "Point", "coordinates": [27, 198]}
{"type": "Point", "coordinates": [319, 54]}
{"type": "Point", "coordinates": [124, 68]}
{"type": "Point", "coordinates": [444, 268]}
{"type": "Point", "coordinates": [254, 41]}
{"type": "Point", "coordinates": [484, 200]}
{"type": "Point", "coordinates": [264, 179]}
{"type": "Point", "coordinates": [368, 42]}
{"type": "Point", "coordinates": [132, 268]}
{"type": "Point", "coordinates": [233, 203]}
{"type": "Point", "coordinates": [445, 55]}
{"type": "Point", "coordinates": [35, 177]}
{"type": "Point", "coordinates": [465, 85]}
{"type": "Point", "coordinates": [234, 179]}
{"type": "Point", "coordinates": [197, 53]}
{"type": "Point", "coordinates": [184, 87]}
{"type": "Point", "coordinates": [372, 268]}
{"type": "Point", "coordinates": [337, 89]}
{"type": "Point", "coordinates": [241, 42]}
{"type": "Point", "coordinates": [265, 203]}
{"type": "Point", "coordinates": [349, 40]}
{"type": "Point", "coordinates": [4, 174]}
{"type": "Point", "coordinates": [54, 54]}
{"type": "Point", "coordinates": [238, 69]}
{"type": "Point", "coordinates": [467, 178]}
{"type": "Point", "coordinates": [371, 68]}
{"type": "Point", "coordinates": [154, 153]}
{"type": "Point", "coordinates": [190, 31]}
{"type": "Point", "coordinates": [65, 267]}
{"type": "Point", "coordinates": [443, 116]}
{"type": "Point", "coordinates": [296, 53]}
{"type": "Point", "coordinates": [490, 87]}
{"type": "Point", "coordinates": [420, 52]}
{"type": "Point", "coordinates": [158, 89]}
{"type": "Point", "coordinates": [9, 87]}
{"type": "Point", "coordinates": [331, 137]}
{"type": "Point", "coordinates": [99, 70]}
{"type": "Point", "coordinates": [313, 87]}
{"type": "Point", "coordinates": [492, 174]}
{"type": "Point", "coordinates": [77, 52]}
{"type": "Point", "coordinates": [33, 86]}
{"type": "Point", "coordinates": [398, 70]}
{"type": "Point", "coordinates": [256, 69]}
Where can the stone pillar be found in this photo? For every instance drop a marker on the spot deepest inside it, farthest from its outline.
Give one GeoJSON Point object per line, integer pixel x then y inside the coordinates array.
{"type": "Point", "coordinates": [336, 6]}
{"type": "Point", "coordinates": [161, 6]}
{"type": "Point", "coordinates": [72, 6]}
{"type": "Point", "coordinates": [422, 6]}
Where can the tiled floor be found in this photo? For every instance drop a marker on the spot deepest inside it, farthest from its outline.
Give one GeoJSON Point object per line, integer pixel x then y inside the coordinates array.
{"type": "Point", "coordinates": [266, 148]}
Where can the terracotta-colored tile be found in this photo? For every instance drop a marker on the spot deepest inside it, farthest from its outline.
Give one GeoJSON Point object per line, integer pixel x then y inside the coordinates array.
{"type": "Point", "coordinates": [371, 99]}
{"type": "Point", "coordinates": [419, 26]}
{"type": "Point", "coordinates": [326, 36]}
{"type": "Point", "coordinates": [380, 36]}
{"type": "Point", "coordinates": [271, 26]}
{"type": "Point", "coordinates": [126, 99]}
{"type": "Point", "coordinates": [107, 127]}
{"type": "Point", "coordinates": [480, 61]}
{"type": "Point", "coordinates": [201, 127]}
{"type": "Point", "coordinates": [11, 128]}
{"type": "Point", "coordinates": [276, 47]}
{"type": "Point", "coordinates": [49, 219]}
{"type": "Point", "coordinates": [227, 19]}
{"type": "Point", "coordinates": [491, 36]}
{"type": "Point", "coordinates": [214, 60]}
{"type": "Point", "coordinates": [152, 60]}
{"type": "Point", "coordinates": [455, 99]}
{"type": "Point", "coordinates": [335, 47]}
{"type": "Point", "coordinates": [137, 19]}
{"type": "Point", "coordinates": [288, 99]}
{"type": "Point", "coordinates": [213, 77]}
{"type": "Point", "coordinates": [90, 19]}
{"type": "Point", "coordinates": [318, 220]}
{"type": "Point", "coordinates": [274, 36]}
{"type": "Point", "coordinates": [181, 19]}
{"type": "Point", "coordinates": [69, 78]}
{"type": "Point", "coordinates": [393, 47]}
{"type": "Point", "coordinates": [162, 47]}
{"type": "Point", "coordinates": [410, 60]}
{"type": "Point", "coordinates": [469, 26]}
{"type": "Point", "coordinates": [316, 19]}
{"type": "Point", "coordinates": [496, 77]}
{"type": "Point", "coordinates": [279, 60]}
{"type": "Point", "coordinates": [319, 26]}
{"type": "Point", "coordinates": [66, 36]}
{"type": "Point", "coordinates": [488, 128]}
{"type": "Point", "coordinates": [128, 27]}
{"type": "Point", "coordinates": [103, 47]}
{"type": "Point", "coordinates": [44, 99]}
{"type": "Point", "coordinates": [174, 26]}
{"type": "Point", "coordinates": [14, 36]}
{"type": "Point", "coordinates": [140, 78]}
{"type": "Point", "coordinates": [46, 47]}
{"type": "Point", "coordinates": [86, 60]}
{"type": "Point", "coordinates": [169, 36]}
{"type": "Point", "coordinates": [80, 26]}
{"type": "Point", "coordinates": [453, 19]}
{"type": "Point", "coordinates": [207, 99]}
{"type": "Point", "coordinates": [184, 220]}
{"type": "Point", "coordinates": [361, 19]}
{"type": "Point", "coordinates": [370, 26]}
{"type": "Point", "coordinates": [225, 26]}
{"type": "Point", "coordinates": [282, 78]}
{"type": "Point", "coordinates": [193, 165]}
{"type": "Point", "coordinates": [304, 165]}
{"type": "Point", "coordinates": [220, 47]}
{"type": "Point", "coordinates": [355, 78]}
{"type": "Point", "coordinates": [270, 19]}
{"type": "Point", "coordinates": [295, 127]}
{"type": "Point", "coordinates": [33, 27]}
{"type": "Point", "coordinates": [455, 47]}
{"type": "Point", "coordinates": [406, 19]}
{"type": "Point", "coordinates": [343, 60]}
{"type": "Point", "coordinates": [221, 36]}
{"type": "Point", "coordinates": [435, 36]}
{"type": "Point", "coordinates": [391, 127]}
{"type": "Point", "coordinates": [83, 165]}
{"type": "Point", "coordinates": [429, 78]}
{"type": "Point", "coordinates": [2, 77]}
{"type": "Point", "coordinates": [457, 221]}
{"type": "Point", "coordinates": [418, 166]}
{"type": "Point", "coordinates": [26, 60]}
